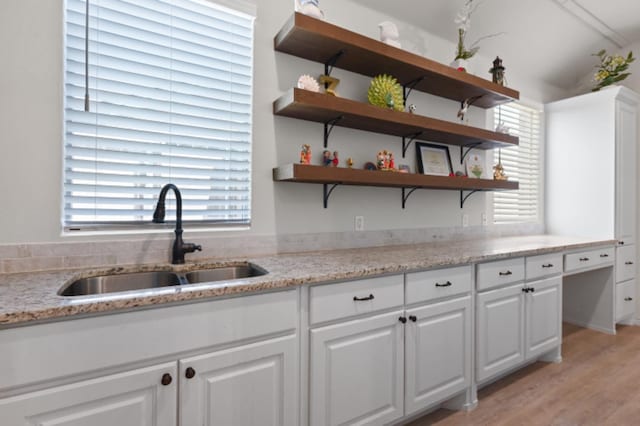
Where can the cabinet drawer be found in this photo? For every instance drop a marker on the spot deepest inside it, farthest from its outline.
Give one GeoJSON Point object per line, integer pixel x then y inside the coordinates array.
{"type": "Point", "coordinates": [543, 266]}
{"type": "Point", "coordinates": [501, 272]}
{"type": "Point", "coordinates": [625, 299]}
{"type": "Point", "coordinates": [340, 300]}
{"type": "Point", "coordinates": [625, 263]}
{"type": "Point", "coordinates": [588, 259]}
{"type": "Point", "coordinates": [435, 284]}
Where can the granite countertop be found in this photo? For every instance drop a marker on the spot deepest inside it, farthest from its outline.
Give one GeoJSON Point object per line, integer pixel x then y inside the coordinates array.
{"type": "Point", "coordinates": [31, 297]}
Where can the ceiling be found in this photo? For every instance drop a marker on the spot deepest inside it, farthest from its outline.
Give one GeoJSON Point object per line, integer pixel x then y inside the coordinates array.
{"type": "Point", "coordinates": [551, 39]}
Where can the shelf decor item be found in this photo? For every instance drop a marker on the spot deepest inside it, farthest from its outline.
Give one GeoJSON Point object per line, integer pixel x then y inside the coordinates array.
{"type": "Point", "coordinates": [310, 8]}
{"type": "Point", "coordinates": [611, 69]}
{"type": "Point", "coordinates": [330, 84]}
{"type": "Point", "coordinates": [386, 92]}
{"type": "Point", "coordinates": [474, 166]}
{"type": "Point", "coordinates": [385, 161]}
{"type": "Point", "coordinates": [497, 72]}
{"type": "Point", "coordinates": [498, 170]}
{"type": "Point", "coordinates": [433, 159]}
{"type": "Point", "coordinates": [463, 20]}
{"type": "Point", "coordinates": [305, 154]}
{"type": "Point", "coordinates": [389, 34]}
{"type": "Point", "coordinates": [307, 82]}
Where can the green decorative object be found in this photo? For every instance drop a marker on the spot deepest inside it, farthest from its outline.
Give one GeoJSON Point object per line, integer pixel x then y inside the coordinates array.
{"type": "Point", "coordinates": [386, 92]}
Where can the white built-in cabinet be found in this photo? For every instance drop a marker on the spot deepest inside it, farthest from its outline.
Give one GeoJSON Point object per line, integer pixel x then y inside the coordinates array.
{"type": "Point", "coordinates": [519, 314]}
{"type": "Point", "coordinates": [591, 174]}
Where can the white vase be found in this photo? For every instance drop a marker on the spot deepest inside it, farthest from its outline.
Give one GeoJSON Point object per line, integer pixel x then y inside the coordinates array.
{"type": "Point", "coordinates": [460, 64]}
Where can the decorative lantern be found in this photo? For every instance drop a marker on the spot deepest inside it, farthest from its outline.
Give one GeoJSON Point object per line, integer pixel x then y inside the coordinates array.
{"type": "Point", "coordinates": [498, 71]}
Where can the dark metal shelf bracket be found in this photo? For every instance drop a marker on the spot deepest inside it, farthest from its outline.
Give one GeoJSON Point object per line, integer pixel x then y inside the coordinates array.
{"type": "Point", "coordinates": [406, 144]}
{"type": "Point", "coordinates": [326, 192]}
{"type": "Point", "coordinates": [328, 127]}
{"type": "Point", "coordinates": [331, 62]}
{"type": "Point", "coordinates": [408, 88]}
{"type": "Point", "coordinates": [463, 197]}
{"type": "Point", "coordinates": [469, 147]}
{"type": "Point", "coordinates": [405, 195]}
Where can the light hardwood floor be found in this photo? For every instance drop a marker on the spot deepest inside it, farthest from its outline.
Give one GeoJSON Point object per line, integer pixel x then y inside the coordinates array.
{"type": "Point", "coordinates": [597, 383]}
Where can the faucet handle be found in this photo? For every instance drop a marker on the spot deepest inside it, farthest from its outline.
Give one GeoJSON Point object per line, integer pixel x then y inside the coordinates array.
{"type": "Point", "coordinates": [197, 247]}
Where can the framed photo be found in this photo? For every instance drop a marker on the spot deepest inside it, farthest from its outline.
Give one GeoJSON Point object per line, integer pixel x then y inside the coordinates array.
{"type": "Point", "coordinates": [433, 159]}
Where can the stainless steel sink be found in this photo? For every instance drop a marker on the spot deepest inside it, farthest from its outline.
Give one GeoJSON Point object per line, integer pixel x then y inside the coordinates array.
{"type": "Point", "coordinates": [155, 280]}
{"type": "Point", "coordinates": [225, 274]}
{"type": "Point", "coordinates": [117, 283]}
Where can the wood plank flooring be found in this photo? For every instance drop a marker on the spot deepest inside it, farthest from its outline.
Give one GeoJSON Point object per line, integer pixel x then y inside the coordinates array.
{"type": "Point", "coordinates": [597, 383]}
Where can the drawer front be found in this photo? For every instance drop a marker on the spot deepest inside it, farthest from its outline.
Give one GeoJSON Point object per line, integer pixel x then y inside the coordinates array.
{"type": "Point", "coordinates": [501, 272]}
{"type": "Point", "coordinates": [588, 259]}
{"type": "Point", "coordinates": [435, 284]}
{"type": "Point", "coordinates": [544, 265]}
{"type": "Point", "coordinates": [625, 299]}
{"type": "Point", "coordinates": [625, 263]}
{"type": "Point", "coordinates": [340, 300]}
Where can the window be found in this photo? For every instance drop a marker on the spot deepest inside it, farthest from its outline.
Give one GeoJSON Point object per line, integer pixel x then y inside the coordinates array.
{"type": "Point", "coordinates": [169, 85]}
{"type": "Point", "coordinates": [522, 163]}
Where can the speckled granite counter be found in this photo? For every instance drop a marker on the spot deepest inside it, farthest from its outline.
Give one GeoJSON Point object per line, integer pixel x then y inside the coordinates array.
{"type": "Point", "coordinates": [31, 297]}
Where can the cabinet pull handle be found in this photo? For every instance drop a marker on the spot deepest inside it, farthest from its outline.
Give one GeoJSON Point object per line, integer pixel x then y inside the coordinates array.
{"type": "Point", "coordinates": [584, 259]}
{"type": "Point", "coordinates": [166, 379]}
{"type": "Point", "coordinates": [628, 262]}
{"type": "Point", "coordinates": [548, 265]}
{"type": "Point", "coordinates": [361, 299]}
{"type": "Point", "coordinates": [403, 320]}
{"type": "Point", "coordinates": [621, 243]}
{"type": "Point", "coordinates": [505, 273]}
{"type": "Point", "coordinates": [525, 289]}
{"type": "Point", "coordinates": [604, 255]}
{"type": "Point", "coordinates": [189, 373]}
{"type": "Point", "coordinates": [447, 284]}
{"type": "Point", "coordinates": [628, 299]}
{"type": "Point", "coordinates": [413, 318]}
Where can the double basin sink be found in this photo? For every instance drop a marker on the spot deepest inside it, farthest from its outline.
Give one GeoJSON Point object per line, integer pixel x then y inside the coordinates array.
{"type": "Point", "coordinates": [157, 279]}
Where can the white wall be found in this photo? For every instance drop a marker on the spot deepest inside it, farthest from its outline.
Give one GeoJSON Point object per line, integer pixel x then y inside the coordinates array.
{"type": "Point", "coordinates": [31, 130]}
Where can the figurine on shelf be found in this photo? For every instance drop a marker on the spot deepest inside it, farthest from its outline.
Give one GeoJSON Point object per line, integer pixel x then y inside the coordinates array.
{"type": "Point", "coordinates": [326, 158]}
{"type": "Point", "coordinates": [412, 108]}
{"type": "Point", "coordinates": [350, 162]}
{"type": "Point", "coordinates": [389, 34]}
{"type": "Point", "coordinates": [307, 82]}
{"type": "Point", "coordinates": [385, 161]}
{"type": "Point", "coordinates": [330, 84]}
{"type": "Point", "coordinates": [310, 8]}
{"type": "Point", "coordinates": [335, 160]}
{"type": "Point", "coordinates": [464, 106]}
{"type": "Point", "coordinates": [498, 72]}
{"type": "Point", "coordinates": [305, 154]}
{"type": "Point", "coordinates": [498, 170]}
{"type": "Point", "coordinates": [392, 163]}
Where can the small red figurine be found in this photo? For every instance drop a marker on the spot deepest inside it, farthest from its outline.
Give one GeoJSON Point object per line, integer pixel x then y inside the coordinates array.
{"type": "Point", "coordinates": [335, 160]}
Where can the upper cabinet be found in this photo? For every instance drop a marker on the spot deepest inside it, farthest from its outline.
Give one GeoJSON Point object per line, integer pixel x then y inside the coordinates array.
{"type": "Point", "coordinates": [322, 42]}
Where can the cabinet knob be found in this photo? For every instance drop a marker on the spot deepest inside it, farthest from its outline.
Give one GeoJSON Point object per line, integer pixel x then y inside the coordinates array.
{"type": "Point", "coordinates": [621, 243]}
{"type": "Point", "coordinates": [604, 255]}
{"type": "Point", "coordinates": [548, 265]}
{"type": "Point", "coordinates": [189, 373]}
{"type": "Point", "coordinates": [447, 284]}
{"type": "Point", "coordinates": [505, 273]}
{"type": "Point", "coordinates": [362, 299]}
{"type": "Point", "coordinates": [628, 299]}
{"type": "Point", "coordinates": [628, 262]}
{"type": "Point", "coordinates": [584, 259]}
{"type": "Point", "coordinates": [166, 379]}
{"type": "Point", "coordinates": [403, 320]}
{"type": "Point", "coordinates": [413, 318]}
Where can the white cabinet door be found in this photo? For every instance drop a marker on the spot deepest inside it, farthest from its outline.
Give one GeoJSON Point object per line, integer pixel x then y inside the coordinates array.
{"type": "Point", "coordinates": [132, 398]}
{"type": "Point", "coordinates": [544, 316]}
{"type": "Point", "coordinates": [253, 384]}
{"type": "Point", "coordinates": [437, 352]}
{"type": "Point", "coordinates": [625, 172]}
{"type": "Point", "coordinates": [356, 371]}
{"type": "Point", "coordinates": [500, 330]}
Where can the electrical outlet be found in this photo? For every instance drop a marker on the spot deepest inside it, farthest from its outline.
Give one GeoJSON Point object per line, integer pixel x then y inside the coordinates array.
{"type": "Point", "coordinates": [465, 220]}
{"type": "Point", "coordinates": [359, 223]}
{"type": "Point", "coordinates": [483, 218]}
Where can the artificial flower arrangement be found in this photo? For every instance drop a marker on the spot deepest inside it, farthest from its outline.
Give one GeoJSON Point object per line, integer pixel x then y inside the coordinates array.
{"type": "Point", "coordinates": [611, 69]}
{"type": "Point", "coordinates": [463, 20]}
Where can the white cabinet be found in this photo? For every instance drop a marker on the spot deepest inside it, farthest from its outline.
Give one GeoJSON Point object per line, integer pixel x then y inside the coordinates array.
{"type": "Point", "coordinates": [438, 352]}
{"type": "Point", "coordinates": [543, 307]}
{"type": "Point", "coordinates": [626, 140]}
{"type": "Point", "coordinates": [500, 330]}
{"type": "Point", "coordinates": [146, 396]}
{"type": "Point", "coordinates": [356, 371]}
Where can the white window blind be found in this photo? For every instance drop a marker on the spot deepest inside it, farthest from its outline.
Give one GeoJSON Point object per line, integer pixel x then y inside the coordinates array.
{"type": "Point", "coordinates": [170, 89]}
{"type": "Point", "coordinates": [521, 163]}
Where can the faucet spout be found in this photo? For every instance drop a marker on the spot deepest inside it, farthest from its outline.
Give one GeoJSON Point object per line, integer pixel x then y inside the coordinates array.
{"type": "Point", "coordinates": [179, 246]}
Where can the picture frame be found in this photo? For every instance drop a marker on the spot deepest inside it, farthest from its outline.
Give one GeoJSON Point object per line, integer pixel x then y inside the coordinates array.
{"type": "Point", "coordinates": [433, 159]}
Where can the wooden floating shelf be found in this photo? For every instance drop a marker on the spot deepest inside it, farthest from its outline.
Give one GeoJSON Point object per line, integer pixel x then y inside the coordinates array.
{"type": "Point", "coordinates": [322, 108]}
{"type": "Point", "coordinates": [345, 176]}
{"type": "Point", "coordinates": [319, 41]}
